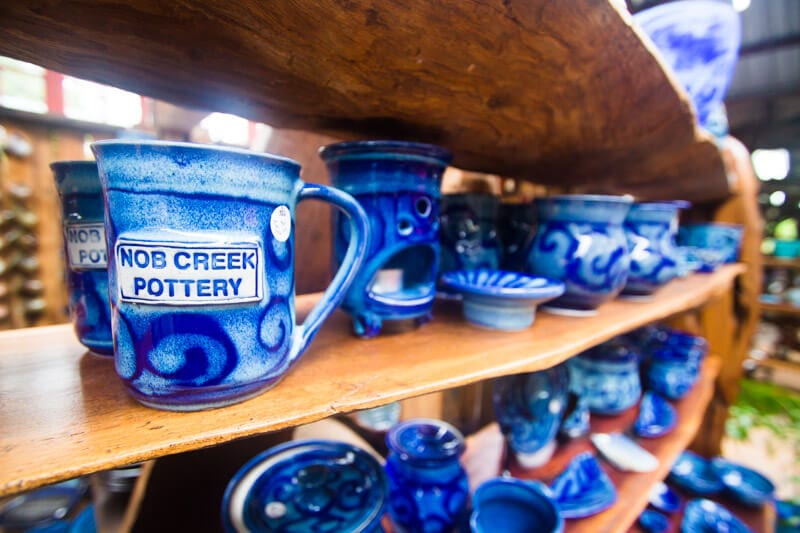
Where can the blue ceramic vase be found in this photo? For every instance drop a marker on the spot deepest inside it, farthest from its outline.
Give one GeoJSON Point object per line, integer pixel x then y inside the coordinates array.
{"type": "Point", "coordinates": [397, 184]}
{"type": "Point", "coordinates": [529, 408]}
{"type": "Point", "coordinates": [580, 241]}
{"type": "Point", "coordinates": [514, 506]}
{"type": "Point", "coordinates": [201, 269]}
{"type": "Point", "coordinates": [312, 485]}
{"type": "Point", "coordinates": [606, 377]}
{"type": "Point", "coordinates": [468, 233]}
{"type": "Point", "coordinates": [650, 229]}
{"type": "Point", "coordinates": [722, 238]}
{"type": "Point", "coordinates": [428, 489]}
{"type": "Point", "coordinates": [85, 252]}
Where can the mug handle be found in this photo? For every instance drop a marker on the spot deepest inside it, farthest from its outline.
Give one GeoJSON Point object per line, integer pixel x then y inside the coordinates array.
{"type": "Point", "coordinates": [348, 270]}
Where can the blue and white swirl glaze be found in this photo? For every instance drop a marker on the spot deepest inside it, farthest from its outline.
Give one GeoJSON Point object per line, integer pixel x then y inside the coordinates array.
{"type": "Point", "coordinates": [650, 229]}
{"type": "Point", "coordinates": [716, 238]}
{"type": "Point", "coordinates": [607, 377]}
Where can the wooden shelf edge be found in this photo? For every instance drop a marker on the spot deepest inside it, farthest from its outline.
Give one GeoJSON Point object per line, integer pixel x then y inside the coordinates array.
{"type": "Point", "coordinates": [783, 308]}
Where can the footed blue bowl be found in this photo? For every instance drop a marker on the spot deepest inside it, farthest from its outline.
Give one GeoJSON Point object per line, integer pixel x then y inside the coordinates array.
{"type": "Point", "coordinates": [498, 299]}
{"type": "Point", "coordinates": [706, 516]}
{"type": "Point", "coordinates": [695, 475]}
{"type": "Point", "coordinates": [712, 241]}
{"type": "Point", "coordinates": [744, 485]}
{"type": "Point", "coordinates": [514, 506]}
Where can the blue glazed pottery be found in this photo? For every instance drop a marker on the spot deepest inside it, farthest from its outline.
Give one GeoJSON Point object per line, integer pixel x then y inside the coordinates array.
{"type": "Point", "coordinates": [699, 40]}
{"type": "Point", "coordinates": [724, 239]}
{"type": "Point", "coordinates": [43, 507]}
{"type": "Point", "coordinates": [672, 374]}
{"type": "Point", "coordinates": [657, 416]}
{"type": "Point", "coordinates": [517, 226]}
{"type": "Point", "coordinates": [468, 234]}
{"type": "Point", "coordinates": [606, 377]}
{"type": "Point", "coordinates": [84, 522]}
{"type": "Point", "coordinates": [688, 262]}
{"type": "Point", "coordinates": [85, 252]}
{"type": "Point", "coordinates": [311, 485]}
{"type": "Point", "coordinates": [201, 273]}
{"type": "Point", "coordinates": [514, 506]}
{"type": "Point", "coordinates": [528, 408]}
{"type": "Point", "coordinates": [744, 485]}
{"type": "Point", "coordinates": [583, 488]}
{"type": "Point", "coordinates": [653, 522]}
{"type": "Point", "coordinates": [663, 498]}
{"type": "Point", "coordinates": [498, 299]}
{"type": "Point", "coordinates": [397, 184]}
{"type": "Point", "coordinates": [650, 229]}
{"type": "Point", "coordinates": [695, 475]}
{"type": "Point", "coordinates": [706, 516]}
{"type": "Point", "coordinates": [428, 489]}
{"type": "Point", "coordinates": [580, 241]}
{"type": "Point", "coordinates": [788, 516]}
{"type": "Point", "coordinates": [576, 422]}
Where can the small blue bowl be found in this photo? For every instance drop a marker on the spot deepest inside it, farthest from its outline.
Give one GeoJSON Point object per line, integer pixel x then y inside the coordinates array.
{"type": "Point", "coordinates": [695, 475]}
{"type": "Point", "coordinates": [583, 488]}
{"type": "Point", "coordinates": [657, 416]}
{"type": "Point", "coordinates": [498, 299]}
{"type": "Point", "coordinates": [653, 522]}
{"type": "Point", "coordinates": [663, 498]}
{"type": "Point", "coordinates": [514, 506]}
{"type": "Point", "coordinates": [705, 516]}
{"type": "Point", "coordinates": [722, 238]}
{"type": "Point", "coordinates": [742, 484]}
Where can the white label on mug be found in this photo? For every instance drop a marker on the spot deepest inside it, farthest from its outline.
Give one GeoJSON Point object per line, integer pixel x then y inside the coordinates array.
{"type": "Point", "coordinates": [86, 246]}
{"type": "Point", "coordinates": [280, 223]}
{"type": "Point", "coordinates": [188, 273]}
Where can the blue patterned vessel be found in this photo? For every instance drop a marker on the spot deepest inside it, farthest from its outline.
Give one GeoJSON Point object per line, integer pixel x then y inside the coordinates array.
{"type": "Point", "coordinates": [307, 486]}
{"type": "Point", "coordinates": [651, 521]}
{"type": "Point", "coordinates": [428, 489]}
{"type": "Point", "coordinates": [723, 239]}
{"type": "Point", "coordinates": [514, 506]}
{"type": "Point", "coordinates": [397, 184]}
{"type": "Point", "coordinates": [650, 229]}
{"type": "Point", "coordinates": [583, 488]}
{"type": "Point", "coordinates": [706, 516]}
{"type": "Point", "coordinates": [580, 241]}
{"type": "Point", "coordinates": [529, 408]}
{"type": "Point", "coordinates": [468, 236]}
{"type": "Point", "coordinates": [606, 377]}
{"type": "Point", "coordinates": [673, 370]}
{"type": "Point", "coordinates": [85, 252]}
{"type": "Point", "coordinates": [656, 418]}
{"type": "Point", "coordinates": [201, 273]}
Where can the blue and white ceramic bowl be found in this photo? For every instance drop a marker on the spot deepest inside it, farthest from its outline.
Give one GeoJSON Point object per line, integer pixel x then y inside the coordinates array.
{"type": "Point", "coordinates": [742, 484]}
{"type": "Point", "coordinates": [606, 377]}
{"type": "Point", "coordinates": [313, 485]}
{"type": "Point", "coordinates": [695, 475]}
{"type": "Point", "coordinates": [724, 239]}
{"type": "Point", "coordinates": [706, 516]}
{"type": "Point", "coordinates": [580, 241]}
{"type": "Point", "coordinates": [657, 416]}
{"type": "Point", "coordinates": [663, 498]}
{"type": "Point", "coordinates": [514, 506]}
{"type": "Point", "coordinates": [673, 374]}
{"type": "Point", "coordinates": [583, 488]}
{"type": "Point", "coordinates": [498, 299]}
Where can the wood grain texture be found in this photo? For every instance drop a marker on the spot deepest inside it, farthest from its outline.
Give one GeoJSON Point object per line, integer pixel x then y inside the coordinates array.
{"type": "Point", "coordinates": [553, 92]}
{"type": "Point", "coordinates": [65, 413]}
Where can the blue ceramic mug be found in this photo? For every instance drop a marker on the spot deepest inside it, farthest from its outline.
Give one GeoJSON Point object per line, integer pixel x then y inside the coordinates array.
{"type": "Point", "coordinates": [201, 274]}
{"type": "Point", "coordinates": [514, 506]}
{"type": "Point", "coordinates": [85, 252]}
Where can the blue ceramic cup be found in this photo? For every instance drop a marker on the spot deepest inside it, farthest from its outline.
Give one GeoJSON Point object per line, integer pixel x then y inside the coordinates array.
{"type": "Point", "coordinates": [201, 273]}
{"type": "Point", "coordinates": [514, 506]}
{"type": "Point", "coordinates": [85, 252]}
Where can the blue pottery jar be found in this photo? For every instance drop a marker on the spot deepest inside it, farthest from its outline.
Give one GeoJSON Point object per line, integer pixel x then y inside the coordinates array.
{"type": "Point", "coordinates": [607, 377]}
{"type": "Point", "coordinates": [307, 485]}
{"type": "Point", "coordinates": [529, 408]}
{"type": "Point", "coordinates": [722, 238]}
{"type": "Point", "coordinates": [514, 506]}
{"type": "Point", "coordinates": [650, 229]}
{"type": "Point", "coordinates": [468, 234]}
{"type": "Point", "coordinates": [85, 252]}
{"type": "Point", "coordinates": [580, 241]}
{"type": "Point", "coordinates": [397, 184]}
{"type": "Point", "coordinates": [428, 488]}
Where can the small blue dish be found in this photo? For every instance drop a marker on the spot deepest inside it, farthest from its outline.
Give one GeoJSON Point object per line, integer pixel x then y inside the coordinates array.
{"type": "Point", "coordinates": [695, 475]}
{"type": "Point", "coordinates": [657, 416]}
{"type": "Point", "coordinates": [498, 299]}
{"type": "Point", "coordinates": [583, 489]}
{"type": "Point", "coordinates": [663, 498]}
{"type": "Point", "coordinates": [705, 516]}
{"type": "Point", "coordinates": [742, 484]}
{"type": "Point", "coordinates": [514, 506]}
{"type": "Point", "coordinates": [653, 522]}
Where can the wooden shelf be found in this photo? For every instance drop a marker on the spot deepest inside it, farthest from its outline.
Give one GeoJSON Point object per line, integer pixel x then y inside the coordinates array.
{"type": "Point", "coordinates": [783, 308]}
{"type": "Point", "coordinates": [562, 93]}
{"type": "Point", "coordinates": [65, 413]}
{"type": "Point", "coordinates": [772, 261]}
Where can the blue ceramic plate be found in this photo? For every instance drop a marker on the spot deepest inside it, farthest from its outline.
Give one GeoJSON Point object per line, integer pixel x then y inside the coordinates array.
{"type": "Point", "coordinates": [663, 498]}
{"type": "Point", "coordinates": [499, 299]}
{"type": "Point", "coordinates": [695, 474]}
{"type": "Point", "coordinates": [653, 522]}
{"type": "Point", "coordinates": [583, 489]}
{"type": "Point", "coordinates": [743, 484]}
{"type": "Point", "coordinates": [657, 416]}
{"type": "Point", "coordinates": [705, 516]}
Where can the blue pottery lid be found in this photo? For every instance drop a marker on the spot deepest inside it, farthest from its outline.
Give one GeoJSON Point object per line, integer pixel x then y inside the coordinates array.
{"type": "Point", "coordinates": [425, 440]}
{"type": "Point", "coordinates": [503, 284]}
{"type": "Point", "coordinates": [312, 485]}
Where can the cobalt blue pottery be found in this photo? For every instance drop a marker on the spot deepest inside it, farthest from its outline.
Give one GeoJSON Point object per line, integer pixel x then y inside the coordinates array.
{"type": "Point", "coordinates": [650, 229]}
{"type": "Point", "coordinates": [397, 184]}
{"type": "Point", "coordinates": [514, 506]}
{"type": "Point", "coordinates": [724, 239]}
{"type": "Point", "coordinates": [577, 419]}
{"type": "Point", "coordinates": [497, 299]}
{"type": "Point", "coordinates": [695, 475]}
{"type": "Point", "coordinates": [468, 234]}
{"type": "Point", "coordinates": [744, 485]}
{"type": "Point", "coordinates": [656, 418]}
{"type": "Point", "coordinates": [653, 522]}
{"type": "Point", "coordinates": [583, 488]}
{"type": "Point", "coordinates": [580, 241]}
{"type": "Point", "coordinates": [428, 489]}
{"type": "Point", "coordinates": [699, 40]}
{"type": "Point", "coordinates": [517, 226]}
{"type": "Point", "coordinates": [44, 506]}
{"type": "Point", "coordinates": [201, 273]}
{"type": "Point", "coordinates": [606, 377]}
{"type": "Point", "coordinates": [663, 498]}
{"type": "Point", "coordinates": [85, 252]}
{"type": "Point", "coordinates": [672, 373]}
{"type": "Point", "coordinates": [706, 516]}
{"type": "Point", "coordinates": [307, 485]}
{"type": "Point", "coordinates": [529, 407]}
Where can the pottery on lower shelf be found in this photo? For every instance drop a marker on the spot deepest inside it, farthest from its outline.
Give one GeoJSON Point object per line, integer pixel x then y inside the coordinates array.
{"type": "Point", "coordinates": [624, 453]}
{"type": "Point", "coordinates": [652, 521]}
{"type": "Point", "coordinates": [672, 374]}
{"type": "Point", "coordinates": [743, 485]}
{"type": "Point", "coordinates": [695, 475]}
{"type": "Point", "coordinates": [706, 516]}
{"type": "Point", "coordinates": [498, 299]}
{"type": "Point", "coordinates": [577, 419]}
{"type": "Point", "coordinates": [313, 485]}
{"type": "Point", "coordinates": [606, 377]}
{"type": "Point", "coordinates": [664, 498]}
{"type": "Point", "coordinates": [656, 418]}
{"type": "Point", "coordinates": [42, 506]}
{"type": "Point", "coordinates": [583, 488]}
{"type": "Point", "coordinates": [514, 506]}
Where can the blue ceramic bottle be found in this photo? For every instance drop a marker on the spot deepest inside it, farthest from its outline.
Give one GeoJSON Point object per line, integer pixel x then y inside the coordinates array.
{"type": "Point", "coordinates": [428, 488]}
{"type": "Point", "coordinates": [397, 184]}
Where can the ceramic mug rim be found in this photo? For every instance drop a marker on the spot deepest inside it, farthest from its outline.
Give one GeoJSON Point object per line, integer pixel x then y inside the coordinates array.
{"type": "Point", "coordinates": [344, 149]}
{"type": "Point", "coordinates": [625, 199]}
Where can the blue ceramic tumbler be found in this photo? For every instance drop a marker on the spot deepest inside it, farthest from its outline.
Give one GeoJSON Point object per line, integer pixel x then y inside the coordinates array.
{"type": "Point", "coordinates": [85, 252]}
{"type": "Point", "coordinates": [201, 276]}
{"type": "Point", "coordinates": [397, 184]}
